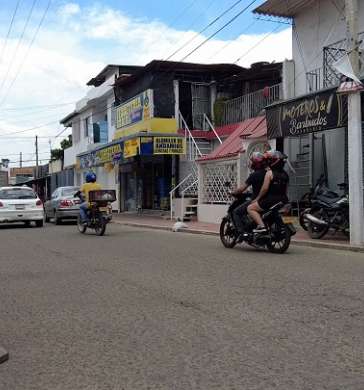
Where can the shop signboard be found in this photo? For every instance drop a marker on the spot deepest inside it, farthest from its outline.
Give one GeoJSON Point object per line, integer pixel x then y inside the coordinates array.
{"type": "Point", "coordinates": [138, 109]}
{"type": "Point", "coordinates": [169, 145]}
{"type": "Point", "coordinates": [131, 147]}
{"type": "Point", "coordinates": [315, 112]}
{"type": "Point", "coordinates": [112, 153]}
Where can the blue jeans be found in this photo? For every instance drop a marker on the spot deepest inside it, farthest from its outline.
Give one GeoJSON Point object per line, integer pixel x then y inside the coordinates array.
{"type": "Point", "coordinates": [83, 211]}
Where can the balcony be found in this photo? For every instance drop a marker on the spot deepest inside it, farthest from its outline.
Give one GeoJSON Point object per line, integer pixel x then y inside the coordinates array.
{"type": "Point", "coordinates": [327, 76]}
{"type": "Point", "coordinates": [249, 106]}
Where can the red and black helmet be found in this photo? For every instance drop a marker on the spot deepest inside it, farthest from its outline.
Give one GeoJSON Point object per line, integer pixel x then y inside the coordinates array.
{"type": "Point", "coordinates": [257, 160]}
{"type": "Point", "coordinates": [273, 157]}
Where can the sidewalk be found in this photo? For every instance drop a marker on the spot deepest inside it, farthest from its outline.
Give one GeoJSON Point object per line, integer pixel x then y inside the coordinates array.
{"type": "Point", "coordinates": [330, 241]}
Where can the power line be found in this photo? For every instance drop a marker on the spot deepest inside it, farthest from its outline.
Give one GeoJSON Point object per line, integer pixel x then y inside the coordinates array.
{"type": "Point", "coordinates": [18, 44]}
{"type": "Point", "coordinates": [231, 41]}
{"type": "Point", "coordinates": [204, 29]}
{"type": "Point", "coordinates": [26, 54]}
{"type": "Point", "coordinates": [37, 106]}
{"type": "Point", "coordinates": [9, 31]}
{"type": "Point", "coordinates": [220, 29]}
{"type": "Point", "coordinates": [258, 43]}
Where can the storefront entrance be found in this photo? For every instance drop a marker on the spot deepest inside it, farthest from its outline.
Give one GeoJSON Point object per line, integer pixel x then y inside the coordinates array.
{"type": "Point", "coordinates": [145, 183]}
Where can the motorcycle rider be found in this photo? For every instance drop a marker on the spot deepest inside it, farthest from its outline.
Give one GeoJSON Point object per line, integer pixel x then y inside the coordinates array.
{"type": "Point", "coordinates": [90, 185]}
{"type": "Point", "coordinates": [255, 180]}
{"type": "Point", "coordinates": [273, 191]}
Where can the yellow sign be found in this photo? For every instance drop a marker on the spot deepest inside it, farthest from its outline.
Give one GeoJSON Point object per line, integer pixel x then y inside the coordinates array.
{"type": "Point", "coordinates": [153, 125]}
{"type": "Point", "coordinates": [137, 109]}
{"type": "Point", "coordinates": [107, 154]}
{"type": "Point", "coordinates": [131, 147]}
{"type": "Point", "coordinates": [169, 145]}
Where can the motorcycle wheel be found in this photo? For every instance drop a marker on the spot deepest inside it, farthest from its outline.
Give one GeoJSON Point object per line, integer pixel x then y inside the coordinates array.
{"type": "Point", "coordinates": [80, 226]}
{"type": "Point", "coordinates": [316, 231]}
{"type": "Point", "coordinates": [100, 228]}
{"type": "Point", "coordinates": [280, 238]}
{"type": "Point", "coordinates": [303, 221]}
{"type": "Point", "coordinates": [227, 235]}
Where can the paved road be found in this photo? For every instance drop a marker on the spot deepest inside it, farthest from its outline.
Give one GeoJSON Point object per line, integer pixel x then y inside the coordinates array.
{"type": "Point", "coordinates": [142, 309]}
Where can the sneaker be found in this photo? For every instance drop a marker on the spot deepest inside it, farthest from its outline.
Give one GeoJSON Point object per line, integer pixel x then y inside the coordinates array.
{"type": "Point", "coordinates": [260, 229]}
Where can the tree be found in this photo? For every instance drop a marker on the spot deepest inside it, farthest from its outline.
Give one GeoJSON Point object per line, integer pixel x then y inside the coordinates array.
{"type": "Point", "coordinates": [58, 154]}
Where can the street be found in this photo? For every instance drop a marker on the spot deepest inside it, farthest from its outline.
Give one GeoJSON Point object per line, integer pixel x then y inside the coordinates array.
{"type": "Point", "coordinates": [146, 309]}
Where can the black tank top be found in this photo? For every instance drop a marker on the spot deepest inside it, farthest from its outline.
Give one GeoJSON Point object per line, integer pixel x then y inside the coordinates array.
{"type": "Point", "coordinates": [278, 185]}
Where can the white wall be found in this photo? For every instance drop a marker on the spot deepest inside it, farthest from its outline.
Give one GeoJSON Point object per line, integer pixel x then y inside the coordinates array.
{"type": "Point", "coordinates": [317, 26]}
{"type": "Point", "coordinates": [211, 213]}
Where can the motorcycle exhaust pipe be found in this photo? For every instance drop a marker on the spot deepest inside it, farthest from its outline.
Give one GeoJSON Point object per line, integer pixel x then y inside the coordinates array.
{"type": "Point", "coordinates": [315, 220]}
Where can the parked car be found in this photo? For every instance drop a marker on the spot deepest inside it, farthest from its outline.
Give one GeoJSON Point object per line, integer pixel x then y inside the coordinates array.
{"type": "Point", "coordinates": [20, 204]}
{"type": "Point", "coordinates": [62, 205]}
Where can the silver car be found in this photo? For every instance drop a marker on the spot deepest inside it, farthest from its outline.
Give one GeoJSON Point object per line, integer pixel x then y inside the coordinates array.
{"type": "Point", "coordinates": [62, 205]}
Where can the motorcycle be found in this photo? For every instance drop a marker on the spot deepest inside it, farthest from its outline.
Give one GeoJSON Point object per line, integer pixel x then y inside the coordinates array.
{"type": "Point", "coordinates": [276, 240]}
{"type": "Point", "coordinates": [99, 214]}
{"type": "Point", "coordinates": [328, 214]}
{"type": "Point", "coordinates": [320, 190]}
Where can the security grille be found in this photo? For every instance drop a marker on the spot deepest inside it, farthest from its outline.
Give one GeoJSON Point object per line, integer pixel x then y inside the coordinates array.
{"type": "Point", "coordinates": [200, 104]}
{"type": "Point", "coordinates": [215, 175]}
{"type": "Point", "coordinates": [333, 53]}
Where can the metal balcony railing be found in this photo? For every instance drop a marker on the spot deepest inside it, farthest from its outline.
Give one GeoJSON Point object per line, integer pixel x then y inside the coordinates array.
{"type": "Point", "coordinates": [249, 105]}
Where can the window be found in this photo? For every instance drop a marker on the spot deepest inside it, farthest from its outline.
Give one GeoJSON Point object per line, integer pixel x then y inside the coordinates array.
{"type": "Point", "coordinates": [87, 126]}
{"type": "Point", "coordinates": [17, 193]}
{"type": "Point", "coordinates": [76, 131]}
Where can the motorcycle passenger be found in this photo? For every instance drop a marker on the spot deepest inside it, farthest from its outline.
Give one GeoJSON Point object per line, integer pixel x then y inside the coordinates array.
{"type": "Point", "coordinates": [273, 191]}
{"type": "Point", "coordinates": [255, 180]}
{"type": "Point", "coordinates": [90, 185]}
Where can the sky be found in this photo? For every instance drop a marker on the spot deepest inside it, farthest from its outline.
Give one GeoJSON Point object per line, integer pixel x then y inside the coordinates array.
{"type": "Point", "coordinates": [49, 53]}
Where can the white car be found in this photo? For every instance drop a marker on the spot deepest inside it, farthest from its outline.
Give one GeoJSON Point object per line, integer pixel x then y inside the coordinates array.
{"type": "Point", "coordinates": [20, 204]}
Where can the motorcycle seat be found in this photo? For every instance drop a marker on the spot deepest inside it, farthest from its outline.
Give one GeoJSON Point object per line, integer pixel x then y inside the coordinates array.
{"type": "Point", "coordinates": [329, 199]}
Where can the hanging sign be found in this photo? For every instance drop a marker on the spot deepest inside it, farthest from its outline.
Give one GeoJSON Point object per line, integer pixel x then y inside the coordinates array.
{"type": "Point", "coordinates": [131, 147]}
{"type": "Point", "coordinates": [317, 112]}
{"type": "Point", "coordinates": [169, 145]}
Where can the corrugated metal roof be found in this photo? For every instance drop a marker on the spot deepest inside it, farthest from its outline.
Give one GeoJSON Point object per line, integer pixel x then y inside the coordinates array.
{"type": "Point", "coordinates": [283, 8]}
{"type": "Point", "coordinates": [233, 145]}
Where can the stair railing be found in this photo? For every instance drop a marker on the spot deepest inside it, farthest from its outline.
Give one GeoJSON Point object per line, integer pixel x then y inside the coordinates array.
{"type": "Point", "coordinates": [173, 191]}
{"type": "Point", "coordinates": [183, 197]}
{"type": "Point", "coordinates": [212, 127]}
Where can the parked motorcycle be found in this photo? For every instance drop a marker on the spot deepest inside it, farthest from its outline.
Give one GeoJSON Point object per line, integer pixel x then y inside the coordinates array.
{"type": "Point", "coordinates": [99, 213]}
{"type": "Point", "coordinates": [276, 240]}
{"type": "Point", "coordinates": [328, 214]}
{"type": "Point", "coordinates": [319, 190]}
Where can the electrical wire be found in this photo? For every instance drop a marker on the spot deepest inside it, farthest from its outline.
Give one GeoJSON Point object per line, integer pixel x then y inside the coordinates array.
{"type": "Point", "coordinates": [26, 54]}
{"type": "Point", "coordinates": [204, 29]}
{"type": "Point", "coordinates": [231, 41]}
{"type": "Point", "coordinates": [18, 45]}
{"type": "Point", "coordinates": [219, 30]}
{"type": "Point", "coordinates": [9, 31]}
{"type": "Point", "coordinates": [258, 43]}
{"type": "Point", "coordinates": [37, 106]}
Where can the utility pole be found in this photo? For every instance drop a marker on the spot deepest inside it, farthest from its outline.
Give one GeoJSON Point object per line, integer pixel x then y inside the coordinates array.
{"type": "Point", "coordinates": [21, 160]}
{"type": "Point", "coordinates": [355, 147]}
{"type": "Point", "coordinates": [36, 158]}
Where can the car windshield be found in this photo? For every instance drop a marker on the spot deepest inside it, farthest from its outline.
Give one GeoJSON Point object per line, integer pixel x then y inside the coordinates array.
{"type": "Point", "coordinates": [69, 191]}
{"type": "Point", "coordinates": [17, 193]}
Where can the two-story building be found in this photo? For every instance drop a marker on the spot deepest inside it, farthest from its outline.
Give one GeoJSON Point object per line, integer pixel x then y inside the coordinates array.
{"type": "Point", "coordinates": [93, 125]}
{"type": "Point", "coordinates": [311, 126]}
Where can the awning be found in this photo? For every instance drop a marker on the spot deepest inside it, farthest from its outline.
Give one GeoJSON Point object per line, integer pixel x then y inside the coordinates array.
{"type": "Point", "coordinates": [283, 8]}
{"type": "Point", "coordinates": [141, 144]}
{"type": "Point", "coordinates": [233, 145]}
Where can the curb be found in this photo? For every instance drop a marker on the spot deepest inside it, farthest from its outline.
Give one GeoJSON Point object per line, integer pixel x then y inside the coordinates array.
{"type": "Point", "coordinates": [306, 243]}
{"type": "Point", "coordinates": [4, 355]}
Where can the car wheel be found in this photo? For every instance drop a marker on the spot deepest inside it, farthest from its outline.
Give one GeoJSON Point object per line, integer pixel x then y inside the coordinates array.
{"type": "Point", "coordinates": [39, 223]}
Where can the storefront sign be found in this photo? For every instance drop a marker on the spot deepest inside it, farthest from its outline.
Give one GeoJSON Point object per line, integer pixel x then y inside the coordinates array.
{"type": "Point", "coordinates": [138, 109]}
{"type": "Point", "coordinates": [112, 153]}
{"type": "Point", "coordinates": [131, 147]}
{"type": "Point", "coordinates": [169, 145]}
{"type": "Point", "coordinates": [322, 111]}
{"type": "Point", "coordinates": [108, 154]}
